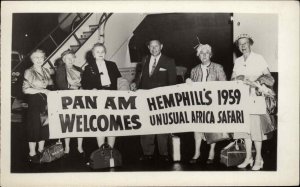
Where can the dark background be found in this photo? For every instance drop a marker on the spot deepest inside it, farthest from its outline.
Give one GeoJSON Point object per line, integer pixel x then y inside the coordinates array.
{"type": "Point", "coordinates": [36, 26]}
{"type": "Point", "coordinates": [179, 33]}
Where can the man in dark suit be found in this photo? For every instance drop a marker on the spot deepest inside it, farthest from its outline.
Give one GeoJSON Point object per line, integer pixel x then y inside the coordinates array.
{"type": "Point", "coordinates": [155, 71]}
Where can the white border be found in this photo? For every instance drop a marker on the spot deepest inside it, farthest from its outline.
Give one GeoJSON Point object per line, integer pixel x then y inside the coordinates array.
{"type": "Point", "coordinates": [288, 57]}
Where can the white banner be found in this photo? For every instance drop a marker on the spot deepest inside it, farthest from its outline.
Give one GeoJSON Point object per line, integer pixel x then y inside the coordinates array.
{"type": "Point", "coordinates": [203, 107]}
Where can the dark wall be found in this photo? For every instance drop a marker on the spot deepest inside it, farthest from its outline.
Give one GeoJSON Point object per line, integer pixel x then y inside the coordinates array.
{"type": "Point", "coordinates": [179, 34]}
{"type": "Point", "coordinates": [36, 26]}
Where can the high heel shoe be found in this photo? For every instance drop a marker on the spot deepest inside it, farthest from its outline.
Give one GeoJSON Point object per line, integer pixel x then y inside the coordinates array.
{"type": "Point", "coordinates": [34, 159]}
{"type": "Point", "coordinates": [246, 163]}
{"type": "Point", "coordinates": [194, 160]}
{"type": "Point", "coordinates": [258, 165]}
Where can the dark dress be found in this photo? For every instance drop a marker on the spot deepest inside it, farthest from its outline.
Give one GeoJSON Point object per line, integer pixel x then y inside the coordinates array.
{"type": "Point", "coordinates": [61, 76]}
{"type": "Point", "coordinates": [91, 76]}
{"type": "Point", "coordinates": [36, 104]}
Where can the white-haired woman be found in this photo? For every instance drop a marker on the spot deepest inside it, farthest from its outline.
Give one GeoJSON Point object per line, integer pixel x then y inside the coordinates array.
{"type": "Point", "coordinates": [250, 67]}
{"type": "Point", "coordinates": [205, 71]}
{"type": "Point", "coordinates": [36, 81]}
{"type": "Point", "coordinates": [68, 77]}
{"type": "Point", "coordinates": [101, 74]}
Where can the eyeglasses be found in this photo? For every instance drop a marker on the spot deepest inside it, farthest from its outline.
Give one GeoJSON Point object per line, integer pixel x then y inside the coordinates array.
{"type": "Point", "coordinates": [38, 57]}
{"type": "Point", "coordinates": [241, 44]}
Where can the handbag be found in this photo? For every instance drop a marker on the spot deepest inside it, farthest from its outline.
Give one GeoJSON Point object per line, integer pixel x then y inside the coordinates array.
{"type": "Point", "coordinates": [175, 147]}
{"type": "Point", "coordinates": [216, 137]}
{"type": "Point", "coordinates": [234, 153]}
{"type": "Point", "coordinates": [52, 152]}
{"type": "Point", "coordinates": [268, 123]}
{"type": "Point", "coordinates": [271, 104]}
{"type": "Point", "coordinates": [105, 157]}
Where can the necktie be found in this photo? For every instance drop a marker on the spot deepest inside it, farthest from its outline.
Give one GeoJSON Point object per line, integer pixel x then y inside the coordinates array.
{"type": "Point", "coordinates": [153, 67]}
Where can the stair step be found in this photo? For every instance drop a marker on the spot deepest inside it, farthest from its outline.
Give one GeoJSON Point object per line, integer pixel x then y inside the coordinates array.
{"type": "Point", "coordinates": [87, 34]}
{"type": "Point", "coordinates": [93, 27]}
{"type": "Point", "coordinates": [74, 47]}
{"type": "Point", "coordinates": [82, 40]}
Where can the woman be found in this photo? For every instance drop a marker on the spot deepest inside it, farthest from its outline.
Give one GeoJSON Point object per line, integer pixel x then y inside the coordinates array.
{"type": "Point", "coordinates": [36, 81]}
{"type": "Point", "coordinates": [249, 68]}
{"type": "Point", "coordinates": [68, 77]}
{"type": "Point", "coordinates": [100, 74]}
{"type": "Point", "coordinates": [206, 71]}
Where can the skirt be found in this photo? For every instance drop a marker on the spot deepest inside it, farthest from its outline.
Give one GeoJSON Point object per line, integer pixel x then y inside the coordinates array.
{"type": "Point", "coordinates": [256, 131]}
{"type": "Point", "coordinates": [34, 129]}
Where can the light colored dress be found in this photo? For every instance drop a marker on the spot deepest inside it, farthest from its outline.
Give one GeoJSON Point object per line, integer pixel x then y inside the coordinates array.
{"type": "Point", "coordinates": [210, 72]}
{"type": "Point", "coordinates": [252, 69]}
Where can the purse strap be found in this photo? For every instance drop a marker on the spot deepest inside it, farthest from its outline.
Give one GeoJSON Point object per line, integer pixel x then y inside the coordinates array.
{"type": "Point", "coordinates": [59, 141]}
{"type": "Point", "coordinates": [105, 145]}
{"type": "Point", "coordinates": [235, 143]}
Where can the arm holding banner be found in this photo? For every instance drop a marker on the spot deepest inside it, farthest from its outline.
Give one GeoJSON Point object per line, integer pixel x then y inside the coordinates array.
{"type": "Point", "coordinates": [172, 72]}
{"type": "Point", "coordinates": [221, 76]}
{"type": "Point", "coordinates": [138, 75]}
{"type": "Point", "coordinates": [61, 77]}
{"type": "Point", "coordinates": [123, 84]}
{"type": "Point", "coordinates": [87, 76]}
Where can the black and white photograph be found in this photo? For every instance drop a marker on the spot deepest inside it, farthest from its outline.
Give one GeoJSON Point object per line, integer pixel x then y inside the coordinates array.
{"type": "Point", "coordinates": [120, 93]}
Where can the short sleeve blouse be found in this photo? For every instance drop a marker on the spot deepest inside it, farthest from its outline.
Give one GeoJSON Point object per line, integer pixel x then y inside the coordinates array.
{"type": "Point", "coordinates": [252, 68]}
{"type": "Point", "coordinates": [37, 80]}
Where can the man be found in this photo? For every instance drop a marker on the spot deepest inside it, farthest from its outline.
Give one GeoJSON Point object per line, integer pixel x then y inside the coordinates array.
{"type": "Point", "coordinates": [155, 71]}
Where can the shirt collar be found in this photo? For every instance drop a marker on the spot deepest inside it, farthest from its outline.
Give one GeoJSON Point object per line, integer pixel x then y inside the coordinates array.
{"type": "Point", "coordinates": [100, 62]}
{"type": "Point", "coordinates": [157, 57]}
{"type": "Point", "coordinates": [205, 66]}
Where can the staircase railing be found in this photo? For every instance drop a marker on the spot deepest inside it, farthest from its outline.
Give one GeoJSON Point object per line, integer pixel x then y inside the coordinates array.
{"type": "Point", "coordinates": [47, 60]}
{"type": "Point", "coordinates": [50, 35]}
{"type": "Point", "coordinates": [103, 20]}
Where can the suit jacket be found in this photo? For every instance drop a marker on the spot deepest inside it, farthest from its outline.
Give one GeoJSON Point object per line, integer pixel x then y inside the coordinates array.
{"type": "Point", "coordinates": [215, 73]}
{"type": "Point", "coordinates": [91, 76]}
{"type": "Point", "coordinates": [61, 76]}
{"type": "Point", "coordinates": [163, 75]}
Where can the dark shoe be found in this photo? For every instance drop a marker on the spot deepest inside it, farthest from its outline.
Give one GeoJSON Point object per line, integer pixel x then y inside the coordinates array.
{"type": "Point", "coordinates": [81, 155]}
{"type": "Point", "coordinates": [34, 158]}
{"type": "Point", "coordinates": [194, 161]}
{"type": "Point", "coordinates": [146, 158]}
{"type": "Point", "coordinates": [164, 158]}
{"type": "Point", "coordinates": [66, 155]}
{"type": "Point", "coordinates": [209, 161]}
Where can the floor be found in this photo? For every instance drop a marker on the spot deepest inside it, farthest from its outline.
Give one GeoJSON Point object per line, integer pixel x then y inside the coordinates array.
{"type": "Point", "coordinates": [131, 151]}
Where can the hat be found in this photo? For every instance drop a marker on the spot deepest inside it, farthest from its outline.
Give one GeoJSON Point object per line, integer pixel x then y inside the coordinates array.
{"type": "Point", "coordinates": [68, 51]}
{"type": "Point", "coordinates": [244, 36]}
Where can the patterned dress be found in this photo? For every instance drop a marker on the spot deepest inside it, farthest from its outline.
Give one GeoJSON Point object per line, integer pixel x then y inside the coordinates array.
{"type": "Point", "coordinates": [211, 72]}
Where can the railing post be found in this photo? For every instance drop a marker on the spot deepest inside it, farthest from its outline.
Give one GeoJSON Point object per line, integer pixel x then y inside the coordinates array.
{"type": "Point", "coordinates": [53, 40]}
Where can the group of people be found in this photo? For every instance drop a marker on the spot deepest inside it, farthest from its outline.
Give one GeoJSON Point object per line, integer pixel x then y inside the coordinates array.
{"type": "Point", "coordinates": [155, 70]}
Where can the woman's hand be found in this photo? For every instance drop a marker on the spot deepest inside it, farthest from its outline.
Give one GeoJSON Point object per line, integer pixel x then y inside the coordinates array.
{"type": "Point", "coordinates": [133, 86]}
{"type": "Point", "coordinates": [188, 81]}
{"type": "Point", "coordinates": [73, 87]}
{"type": "Point", "coordinates": [45, 91]}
